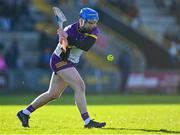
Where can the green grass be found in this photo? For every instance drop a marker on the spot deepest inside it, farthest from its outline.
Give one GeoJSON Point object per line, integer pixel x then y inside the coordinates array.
{"type": "Point", "coordinates": [123, 114]}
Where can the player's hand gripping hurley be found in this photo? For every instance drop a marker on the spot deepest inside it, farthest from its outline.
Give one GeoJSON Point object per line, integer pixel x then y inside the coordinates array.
{"type": "Point", "coordinates": [60, 20]}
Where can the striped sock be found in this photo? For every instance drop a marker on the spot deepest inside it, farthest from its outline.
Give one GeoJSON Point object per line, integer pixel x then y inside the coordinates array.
{"type": "Point", "coordinates": [85, 117]}
{"type": "Point", "coordinates": [28, 110]}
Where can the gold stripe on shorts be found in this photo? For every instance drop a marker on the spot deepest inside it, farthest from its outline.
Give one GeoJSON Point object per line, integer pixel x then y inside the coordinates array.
{"type": "Point", "coordinates": [60, 64]}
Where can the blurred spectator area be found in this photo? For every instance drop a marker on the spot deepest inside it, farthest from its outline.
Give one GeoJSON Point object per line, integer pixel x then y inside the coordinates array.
{"type": "Point", "coordinates": [40, 33]}
{"type": "Point", "coordinates": [26, 48]}
{"type": "Point", "coordinates": [149, 19]}
{"type": "Point", "coordinates": [28, 34]}
{"type": "Point", "coordinates": [35, 17]}
{"type": "Point", "coordinates": [154, 17]}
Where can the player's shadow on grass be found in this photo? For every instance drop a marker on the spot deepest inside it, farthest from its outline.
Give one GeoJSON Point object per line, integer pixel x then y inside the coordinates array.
{"type": "Point", "coordinates": [146, 130]}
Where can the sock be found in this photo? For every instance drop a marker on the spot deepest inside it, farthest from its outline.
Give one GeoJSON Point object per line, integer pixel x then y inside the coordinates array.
{"type": "Point", "coordinates": [85, 117]}
{"type": "Point", "coordinates": [28, 110]}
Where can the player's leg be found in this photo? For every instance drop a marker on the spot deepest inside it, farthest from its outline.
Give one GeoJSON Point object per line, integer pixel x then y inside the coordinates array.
{"type": "Point", "coordinates": [74, 80]}
{"type": "Point", "coordinates": [56, 88]}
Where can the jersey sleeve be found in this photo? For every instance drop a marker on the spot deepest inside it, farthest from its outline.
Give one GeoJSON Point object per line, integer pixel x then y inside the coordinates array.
{"type": "Point", "coordinates": [67, 29]}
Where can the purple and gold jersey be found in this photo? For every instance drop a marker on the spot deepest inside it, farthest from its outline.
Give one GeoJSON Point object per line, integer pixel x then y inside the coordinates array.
{"type": "Point", "coordinates": [73, 32]}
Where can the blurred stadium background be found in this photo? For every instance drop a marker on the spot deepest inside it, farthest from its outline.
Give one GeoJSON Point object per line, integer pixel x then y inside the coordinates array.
{"type": "Point", "coordinates": [142, 35]}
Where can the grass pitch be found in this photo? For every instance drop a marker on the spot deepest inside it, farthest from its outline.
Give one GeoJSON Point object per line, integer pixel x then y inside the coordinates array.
{"type": "Point", "coordinates": [123, 114]}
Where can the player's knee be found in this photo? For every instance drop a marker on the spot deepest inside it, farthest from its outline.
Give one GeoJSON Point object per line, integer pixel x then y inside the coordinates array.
{"type": "Point", "coordinates": [53, 96]}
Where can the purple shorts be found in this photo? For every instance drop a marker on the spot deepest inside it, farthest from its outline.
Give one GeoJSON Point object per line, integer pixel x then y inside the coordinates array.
{"type": "Point", "coordinates": [56, 63]}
